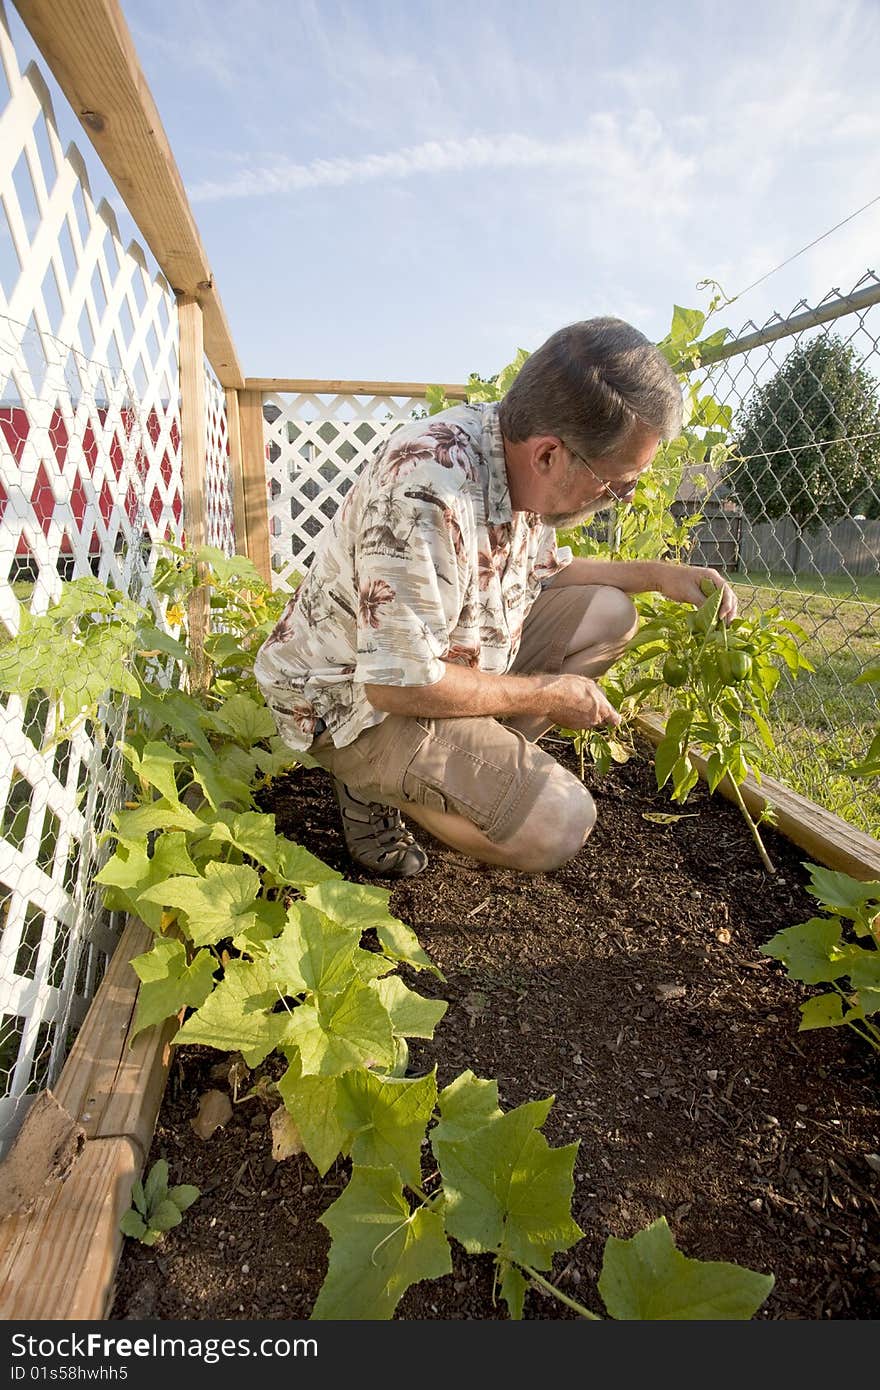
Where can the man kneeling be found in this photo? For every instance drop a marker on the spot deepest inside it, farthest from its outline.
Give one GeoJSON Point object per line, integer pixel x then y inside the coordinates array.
{"type": "Point", "coordinates": [440, 630]}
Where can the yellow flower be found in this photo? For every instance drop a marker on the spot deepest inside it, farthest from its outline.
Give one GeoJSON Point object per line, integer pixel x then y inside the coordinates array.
{"type": "Point", "coordinates": [174, 614]}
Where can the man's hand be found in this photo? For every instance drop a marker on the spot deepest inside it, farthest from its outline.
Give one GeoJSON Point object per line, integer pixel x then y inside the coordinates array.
{"type": "Point", "coordinates": [682, 583]}
{"type": "Point", "coordinates": [576, 702]}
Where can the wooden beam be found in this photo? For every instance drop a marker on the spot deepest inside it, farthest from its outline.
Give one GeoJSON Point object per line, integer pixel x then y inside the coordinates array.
{"type": "Point", "coordinates": [108, 1084]}
{"type": "Point", "coordinates": [311, 387]}
{"type": "Point", "coordinates": [256, 501]}
{"type": "Point", "coordinates": [827, 838]}
{"type": "Point", "coordinates": [88, 46]}
{"type": "Point", "coordinates": [236, 468]}
{"type": "Point", "coordinates": [58, 1261]}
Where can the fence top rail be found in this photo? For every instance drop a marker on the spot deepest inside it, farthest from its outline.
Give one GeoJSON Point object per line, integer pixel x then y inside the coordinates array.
{"type": "Point", "coordinates": [310, 387]}
{"type": "Point", "coordinates": [88, 46]}
{"type": "Point", "coordinates": [785, 328]}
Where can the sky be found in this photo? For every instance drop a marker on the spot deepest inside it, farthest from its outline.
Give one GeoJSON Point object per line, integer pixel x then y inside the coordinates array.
{"type": "Point", "coordinates": [412, 191]}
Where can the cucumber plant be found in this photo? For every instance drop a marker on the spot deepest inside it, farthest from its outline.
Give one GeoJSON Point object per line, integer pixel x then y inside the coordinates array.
{"type": "Point", "coordinates": [822, 951]}
{"type": "Point", "coordinates": [156, 1208]}
{"type": "Point", "coordinates": [265, 950]}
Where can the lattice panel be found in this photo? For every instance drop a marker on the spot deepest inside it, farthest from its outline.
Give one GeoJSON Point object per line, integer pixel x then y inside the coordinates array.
{"type": "Point", "coordinates": [90, 477]}
{"type": "Point", "coordinates": [219, 516]}
{"type": "Point", "coordinates": [316, 446]}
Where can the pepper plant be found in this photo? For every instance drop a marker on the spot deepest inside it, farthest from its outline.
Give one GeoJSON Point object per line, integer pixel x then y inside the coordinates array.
{"type": "Point", "coordinates": [265, 950]}
{"type": "Point", "coordinates": [716, 681]}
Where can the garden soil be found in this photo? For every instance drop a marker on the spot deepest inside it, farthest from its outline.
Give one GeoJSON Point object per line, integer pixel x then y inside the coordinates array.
{"type": "Point", "coordinates": [629, 985]}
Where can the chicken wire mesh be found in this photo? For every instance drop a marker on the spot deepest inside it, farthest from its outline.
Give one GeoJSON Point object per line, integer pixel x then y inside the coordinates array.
{"type": "Point", "coordinates": [77, 499]}
{"type": "Point", "coordinates": [794, 519]}
{"type": "Point", "coordinates": [90, 479]}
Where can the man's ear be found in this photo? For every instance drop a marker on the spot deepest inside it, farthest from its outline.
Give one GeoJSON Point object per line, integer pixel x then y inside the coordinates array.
{"type": "Point", "coordinates": [546, 454]}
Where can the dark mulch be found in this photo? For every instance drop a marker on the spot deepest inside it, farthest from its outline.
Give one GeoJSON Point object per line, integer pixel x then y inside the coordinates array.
{"type": "Point", "coordinates": [629, 985]}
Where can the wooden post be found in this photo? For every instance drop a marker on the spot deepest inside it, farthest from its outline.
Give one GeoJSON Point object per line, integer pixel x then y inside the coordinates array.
{"type": "Point", "coordinates": [193, 436]}
{"type": "Point", "coordinates": [255, 492]}
{"type": "Point", "coordinates": [236, 466]}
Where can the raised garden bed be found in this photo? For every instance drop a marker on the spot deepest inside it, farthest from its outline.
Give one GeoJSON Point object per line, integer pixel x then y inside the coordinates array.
{"type": "Point", "coordinates": [629, 984]}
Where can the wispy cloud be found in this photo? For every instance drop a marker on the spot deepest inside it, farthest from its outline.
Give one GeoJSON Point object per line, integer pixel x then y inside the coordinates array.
{"type": "Point", "coordinates": [471, 154]}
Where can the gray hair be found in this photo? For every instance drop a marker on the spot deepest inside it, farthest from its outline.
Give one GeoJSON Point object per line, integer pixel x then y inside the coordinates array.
{"type": "Point", "coordinates": [590, 383]}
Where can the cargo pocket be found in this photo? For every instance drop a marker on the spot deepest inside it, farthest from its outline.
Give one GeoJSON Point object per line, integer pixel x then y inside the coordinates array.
{"type": "Point", "coordinates": [420, 772]}
{"type": "Point", "coordinates": [446, 775]}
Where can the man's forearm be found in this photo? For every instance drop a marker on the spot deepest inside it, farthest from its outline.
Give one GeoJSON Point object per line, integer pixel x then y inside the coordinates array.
{"type": "Point", "coordinates": [462, 692]}
{"type": "Point", "coordinates": [631, 576]}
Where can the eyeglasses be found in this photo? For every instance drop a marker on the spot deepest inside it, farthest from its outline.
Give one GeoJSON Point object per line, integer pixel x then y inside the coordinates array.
{"type": "Point", "coordinates": [628, 485]}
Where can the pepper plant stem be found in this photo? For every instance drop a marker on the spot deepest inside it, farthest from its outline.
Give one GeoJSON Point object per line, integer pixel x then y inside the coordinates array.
{"type": "Point", "coordinates": [753, 829]}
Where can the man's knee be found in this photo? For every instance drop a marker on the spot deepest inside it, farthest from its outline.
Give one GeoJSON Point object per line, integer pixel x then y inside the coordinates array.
{"type": "Point", "coordinates": [607, 626]}
{"type": "Point", "coordinates": [555, 828]}
{"type": "Point", "coordinates": [617, 617]}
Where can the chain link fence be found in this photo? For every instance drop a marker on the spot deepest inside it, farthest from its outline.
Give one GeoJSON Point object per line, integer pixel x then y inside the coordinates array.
{"type": "Point", "coordinates": [795, 521]}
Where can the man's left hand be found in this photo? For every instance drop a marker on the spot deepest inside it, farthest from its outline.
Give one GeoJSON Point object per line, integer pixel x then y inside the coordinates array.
{"type": "Point", "coordinates": [682, 583]}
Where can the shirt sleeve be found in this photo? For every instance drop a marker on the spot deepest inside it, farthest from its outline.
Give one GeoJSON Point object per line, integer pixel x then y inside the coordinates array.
{"type": "Point", "coordinates": [409, 601]}
{"type": "Point", "coordinates": [550, 557]}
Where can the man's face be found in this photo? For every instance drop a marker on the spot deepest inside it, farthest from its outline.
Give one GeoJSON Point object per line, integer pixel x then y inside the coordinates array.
{"type": "Point", "coordinates": [587, 488]}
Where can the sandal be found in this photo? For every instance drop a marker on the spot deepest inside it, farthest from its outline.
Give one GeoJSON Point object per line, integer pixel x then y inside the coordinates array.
{"type": "Point", "coordinates": [376, 836]}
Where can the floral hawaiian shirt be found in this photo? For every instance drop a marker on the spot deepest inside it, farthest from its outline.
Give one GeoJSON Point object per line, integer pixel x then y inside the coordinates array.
{"type": "Point", "coordinates": [424, 563]}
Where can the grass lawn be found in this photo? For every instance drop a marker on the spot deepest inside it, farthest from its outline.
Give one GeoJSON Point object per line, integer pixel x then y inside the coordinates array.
{"type": "Point", "coordinates": [823, 721]}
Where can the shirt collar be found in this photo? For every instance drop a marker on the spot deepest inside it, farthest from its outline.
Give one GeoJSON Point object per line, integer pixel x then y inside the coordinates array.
{"type": "Point", "coordinates": [499, 510]}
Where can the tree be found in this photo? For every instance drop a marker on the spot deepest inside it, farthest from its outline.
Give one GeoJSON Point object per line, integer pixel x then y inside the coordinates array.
{"type": "Point", "coordinates": [807, 442]}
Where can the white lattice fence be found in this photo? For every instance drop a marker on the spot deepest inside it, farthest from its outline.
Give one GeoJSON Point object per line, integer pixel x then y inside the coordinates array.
{"type": "Point", "coordinates": [90, 477]}
{"type": "Point", "coordinates": [219, 516]}
{"type": "Point", "coordinates": [316, 445]}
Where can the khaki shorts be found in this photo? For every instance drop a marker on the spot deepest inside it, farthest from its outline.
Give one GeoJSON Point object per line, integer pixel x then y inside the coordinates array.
{"type": "Point", "coordinates": [478, 767]}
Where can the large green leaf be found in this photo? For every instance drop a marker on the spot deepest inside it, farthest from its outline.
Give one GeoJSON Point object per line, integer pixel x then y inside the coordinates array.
{"type": "Point", "coordinates": [411, 1015]}
{"type": "Point", "coordinates": [222, 904]}
{"type": "Point", "coordinates": [254, 834]}
{"type": "Point", "coordinates": [811, 951]}
{"type": "Point", "coordinates": [129, 873]}
{"type": "Point", "coordinates": [838, 891]}
{"type": "Point", "coordinates": [313, 953]}
{"type": "Point", "coordinates": [380, 1248]}
{"type": "Point", "coordinates": [358, 905]}
{"type": "Point", "coordinates": [156, 766]}
{"type": "Point", "coordinates": [299, 867]}
{"type": "Point", "coordinates": [341, 1031]}
{"type": "Point", "coordinates": [822, 1011]}
{"type": "Point", "coordinates": [169, 984]}
{"type": "Point", "coordinates": [648, 1278]}
{"type": "Point", "coordinates": [353, 904]}
{"type": "Point", "coordinates": [244, 719]}
{"type": "Point", "coordinates": [174, 710]}
{"type": "Point", "coordinates": [401, 943]}
{"type": "Point", "coordinates": [313, 1101]}
{"type": "Point", "coordinates": [385, 1120]}
{"type": "Point", "coordinates": [507, 1191]}
{"type": "Point", "coordinates": [466, 1105]}
{"type": "Point", "coordinates": [235, 1017]}
{"type": "Point", "coordinates": [251, 832]}
{"type": "Point", "coordinates": [154, 815]}
{"type": "Point", "coordinates": [219, 787]}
